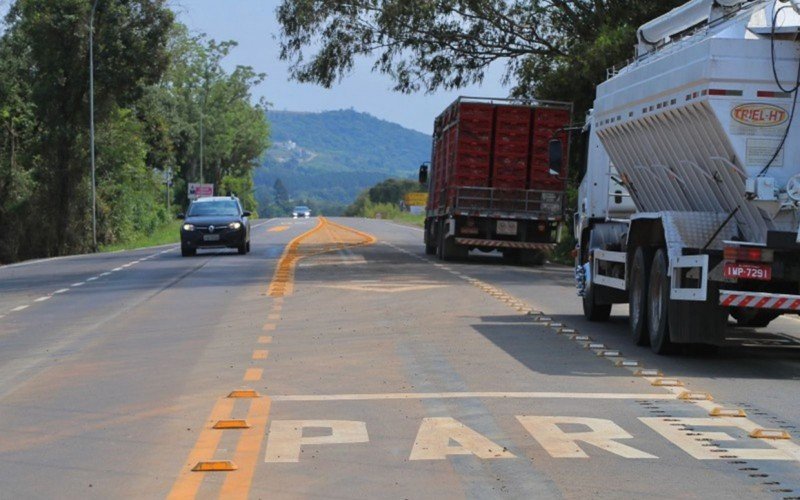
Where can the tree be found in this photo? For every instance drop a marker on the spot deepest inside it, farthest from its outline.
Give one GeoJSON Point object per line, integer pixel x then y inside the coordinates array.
{"type": "Point", "coordinates": [196, 90]}
{"type": "Point", "coordinates": [47, 42]}
{"type": "Point", "coordinates": [427, 45]}
{"type": "Point", "coordinates": [281, 195]}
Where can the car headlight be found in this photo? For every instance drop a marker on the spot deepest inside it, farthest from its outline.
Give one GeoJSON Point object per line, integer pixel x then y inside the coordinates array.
{"type": "Point", "coordinates": [235, 225]}
{"type": "Point", "coordinates": [188, 227]}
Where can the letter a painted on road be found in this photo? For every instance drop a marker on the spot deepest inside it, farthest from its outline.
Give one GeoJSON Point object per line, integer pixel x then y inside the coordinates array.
{"type": "Point", "coordinates": [435, 434]}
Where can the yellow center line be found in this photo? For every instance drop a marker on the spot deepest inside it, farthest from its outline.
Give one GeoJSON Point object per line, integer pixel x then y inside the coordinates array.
{"type": "Point", "coordinates": [237, 485]}
{"type": "Point", "coordinates": [239, 478]}
{"type": "Point", "coordinates": [188, 482]}
{"type": "Point", "coordinates": [253, 374]}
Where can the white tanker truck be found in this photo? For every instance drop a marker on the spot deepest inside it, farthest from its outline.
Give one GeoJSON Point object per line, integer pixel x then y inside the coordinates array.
{"type": "Point", "coordinates": [689, 210]}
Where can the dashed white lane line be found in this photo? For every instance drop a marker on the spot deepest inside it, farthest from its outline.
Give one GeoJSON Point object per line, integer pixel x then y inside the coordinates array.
{"type": "Point", "coordinates": [81, 283]}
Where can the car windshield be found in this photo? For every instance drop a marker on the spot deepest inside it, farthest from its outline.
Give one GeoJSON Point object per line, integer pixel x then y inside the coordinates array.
{"type": "Point", "coordinates": [301, 209]}
{"type": "Point", "coordinates": [221, 207]}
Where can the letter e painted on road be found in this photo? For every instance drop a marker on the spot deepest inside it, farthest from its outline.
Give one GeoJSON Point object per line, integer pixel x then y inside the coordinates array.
{"type": "Point", "coordinates": [286, 436]}
{"type": "Point", "coordinates": [559, 444]}
{"type": "Point", "coordinates": [778, 450]}
{"type": "Point", "coordinates": [435, 434]}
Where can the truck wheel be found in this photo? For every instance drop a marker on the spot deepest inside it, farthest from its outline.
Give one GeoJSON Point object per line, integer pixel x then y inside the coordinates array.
{"type": "Point", "coordinates": [637, 297]}
{"type": "Point", "coordinates": [430, 249]}
{"type": "Point", "coordinates": [591, 309]}
{"type": "Point", "coordinates": [658, 305]}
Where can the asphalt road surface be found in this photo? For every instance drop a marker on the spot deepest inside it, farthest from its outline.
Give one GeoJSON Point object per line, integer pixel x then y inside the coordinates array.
{"type": "Point", "coordinates": [338, 361]}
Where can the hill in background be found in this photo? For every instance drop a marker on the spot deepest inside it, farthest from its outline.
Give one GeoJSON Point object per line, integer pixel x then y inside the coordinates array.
{"type": "Point", "coordinates": [333, 156]}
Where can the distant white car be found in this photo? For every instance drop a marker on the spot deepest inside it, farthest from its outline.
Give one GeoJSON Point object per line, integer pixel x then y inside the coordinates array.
{"type": "Point", "coordinates": [301, 211]}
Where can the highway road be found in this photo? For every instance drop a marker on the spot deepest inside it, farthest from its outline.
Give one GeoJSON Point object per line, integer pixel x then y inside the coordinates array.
{"type": "Point", "coordinates": [338, 361]}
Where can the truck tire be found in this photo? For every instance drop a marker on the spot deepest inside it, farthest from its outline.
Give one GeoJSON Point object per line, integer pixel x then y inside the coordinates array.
{"type": "Point", "coordinates": [511, 257]}
{"type": "Point", "coordinates": [430, 249]}
{"type": "Point", "coordinates": [658, 305]}
{"type": "Point", "coordinates": [593, 311]}
{"type": "Point", "coordinates": [637, 296]}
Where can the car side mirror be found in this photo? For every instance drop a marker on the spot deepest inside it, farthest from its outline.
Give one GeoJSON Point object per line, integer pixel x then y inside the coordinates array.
{"type": "Point", "coordinates": [423, 174]}
{"type": "Point", "coordinates": [556, 156]}
{"type": "Point", "coordinates": [181, 216]}
{"type": "Point", "coordinates": [246, 214]}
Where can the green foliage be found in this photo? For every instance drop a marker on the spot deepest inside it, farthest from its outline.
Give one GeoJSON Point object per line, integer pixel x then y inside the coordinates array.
{"type": "Point", "coordinates": [384, 196]}
{"type": "Point", "coordinates": [154, 86]}
{"type": "Point", "coordinates": [557, 49]}
{"type": "Point", "coordinates": [130, 197]}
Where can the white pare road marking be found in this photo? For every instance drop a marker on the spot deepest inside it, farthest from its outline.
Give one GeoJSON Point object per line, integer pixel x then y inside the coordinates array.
{"type": "Point", "coordinates": [62, 290]}
{"type": "Point", "coordinates": [603, 434]}
{"type": "Point", "coordinates": [435, 434]}
{"type": "Point", "coordinates": [19, 308]}
{"type": "Point", "coordinates": [768, 450]}
{"type": "Point", "coordinates": [467, 395]}
{"type": "Point", "coordinates": [286, 436]}
{"type": "Point", "coordinates": [43, 298]}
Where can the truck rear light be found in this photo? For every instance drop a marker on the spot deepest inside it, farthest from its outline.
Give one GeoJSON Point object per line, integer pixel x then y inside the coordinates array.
{"type": "Point", "coordinates": [748, 254]}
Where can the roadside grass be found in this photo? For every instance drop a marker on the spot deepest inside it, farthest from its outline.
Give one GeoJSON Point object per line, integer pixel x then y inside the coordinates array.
{"type": "Point", "coordinates": [410, 219]}
{"type": "Point", "coordinates": [166, 234]}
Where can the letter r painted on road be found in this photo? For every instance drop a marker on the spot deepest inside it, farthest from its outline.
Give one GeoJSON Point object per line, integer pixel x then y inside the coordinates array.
{"type": "Point", "coordinates": [560, 444]}
{"type": "Point", "coordinates": [693, 445]}
{"type": "Point", "coordinates": [286, 436]}
{"type": "Point", "coordinates": [435, 435]}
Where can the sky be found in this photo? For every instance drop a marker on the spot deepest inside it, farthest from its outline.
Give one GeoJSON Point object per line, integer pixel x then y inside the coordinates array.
{"type": "Point", "coordinates": [252, 23]}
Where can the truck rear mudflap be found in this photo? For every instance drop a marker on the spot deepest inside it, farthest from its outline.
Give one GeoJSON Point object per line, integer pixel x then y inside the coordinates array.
{"type": "Point", "coordinates": [518, 245]}
{"type": "Point", "coordinates": [759, 300]}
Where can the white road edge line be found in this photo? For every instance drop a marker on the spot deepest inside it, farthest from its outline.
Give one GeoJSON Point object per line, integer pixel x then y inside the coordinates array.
{"type": "Point", "coordinates": [20, 308]}
{"type": "Point", "coordinates": [61, 290]}
{"type": "Point", "coordinates": [92, 278]}
{"type": "Point", "coordinates": [80, 283]}
{"type": "Point", "coordinates": [42, 299]}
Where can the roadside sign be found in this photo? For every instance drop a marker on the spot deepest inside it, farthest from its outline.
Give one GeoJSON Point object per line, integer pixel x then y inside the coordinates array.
{"type": "Point", "coordinates": [416, 199]}
{"type": "Point", "coordinates": [197, 190]}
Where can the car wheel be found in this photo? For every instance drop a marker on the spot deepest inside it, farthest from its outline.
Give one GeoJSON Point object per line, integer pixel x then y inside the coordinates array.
{"type": "Point", "coordinates": [248, 247]}
{"type": "Point", "coordinates": [188, 252]}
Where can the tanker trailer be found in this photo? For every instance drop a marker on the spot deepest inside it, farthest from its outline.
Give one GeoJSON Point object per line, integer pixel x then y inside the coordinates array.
{"type": "Point", "coordinates": [690, 205]}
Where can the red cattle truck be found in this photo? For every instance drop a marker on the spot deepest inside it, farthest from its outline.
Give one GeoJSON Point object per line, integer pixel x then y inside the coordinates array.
{"type": "Point", "coordinates": [493, 184]}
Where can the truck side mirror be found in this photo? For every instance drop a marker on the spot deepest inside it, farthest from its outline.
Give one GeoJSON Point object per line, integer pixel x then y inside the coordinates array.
{"type": "Point", "coordinates": [556, 155]}
{"type": "Point", "coordinates": [423, 174]}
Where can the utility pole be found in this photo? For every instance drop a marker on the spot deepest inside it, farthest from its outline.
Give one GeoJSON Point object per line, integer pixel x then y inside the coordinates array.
{"type": "Point", "coordinates": [91, 125]}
